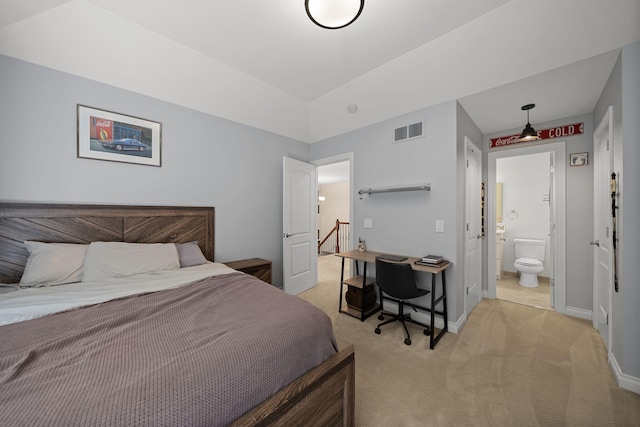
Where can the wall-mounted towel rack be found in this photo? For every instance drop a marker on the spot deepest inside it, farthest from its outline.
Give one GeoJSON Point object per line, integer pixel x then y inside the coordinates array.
{"type": "Point", "coordinates": [370, 191]}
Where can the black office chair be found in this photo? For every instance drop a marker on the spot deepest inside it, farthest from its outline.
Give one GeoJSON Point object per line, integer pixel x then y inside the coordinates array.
{"type": "Point", "coordinates": [397, 281]}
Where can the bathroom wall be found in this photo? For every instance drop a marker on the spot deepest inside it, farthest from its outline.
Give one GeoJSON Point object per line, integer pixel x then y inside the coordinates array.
{"type": "Point", "coordinates": [525, 182]}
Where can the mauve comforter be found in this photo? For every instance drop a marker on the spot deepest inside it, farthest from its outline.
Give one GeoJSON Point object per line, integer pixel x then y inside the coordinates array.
{"type": "Point", "coordinates": [201, 354]}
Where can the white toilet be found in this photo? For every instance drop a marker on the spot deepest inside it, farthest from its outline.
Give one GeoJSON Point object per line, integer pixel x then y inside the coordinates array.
{"type": "Point", "coordinates": [529, 260]}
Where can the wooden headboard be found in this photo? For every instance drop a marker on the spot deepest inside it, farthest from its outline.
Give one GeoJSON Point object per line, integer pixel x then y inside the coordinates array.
{"type": "Point", "coordinates": [55, 223]}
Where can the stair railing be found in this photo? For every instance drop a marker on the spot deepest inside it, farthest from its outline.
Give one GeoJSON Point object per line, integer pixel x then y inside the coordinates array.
{"type": "Point", "coordinates": [337, 238]}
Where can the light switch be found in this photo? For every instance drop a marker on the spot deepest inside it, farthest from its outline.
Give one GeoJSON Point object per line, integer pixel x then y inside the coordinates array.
{"type": "Point", "coordinates": [439, 226]}
{"type": "Point", "coordinates": [368, 223]}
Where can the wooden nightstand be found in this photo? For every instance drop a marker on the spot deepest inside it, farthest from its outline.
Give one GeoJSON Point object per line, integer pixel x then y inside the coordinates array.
{"type": "Point", "coordinates": [258, 267]}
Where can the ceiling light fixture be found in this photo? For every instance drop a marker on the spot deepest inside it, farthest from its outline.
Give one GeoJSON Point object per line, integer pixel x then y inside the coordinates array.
{"type": "Point", "coordinates": [333, 14]}
{"type": "Point", "coordinates": [528, 133]}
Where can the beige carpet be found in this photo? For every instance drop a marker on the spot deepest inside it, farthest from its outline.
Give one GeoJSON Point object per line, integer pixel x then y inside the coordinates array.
{"type": "Point", "coordinates": [511, 365]}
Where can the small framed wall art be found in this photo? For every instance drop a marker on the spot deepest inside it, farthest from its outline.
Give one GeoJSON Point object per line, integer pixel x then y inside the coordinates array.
{"type": "Point", "coordinates": [578, 159]}
{"type": "Point", "coordinates": [105, 135]}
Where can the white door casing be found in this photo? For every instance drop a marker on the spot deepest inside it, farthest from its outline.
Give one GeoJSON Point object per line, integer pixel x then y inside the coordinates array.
{"type": "Point", "coordinates": [552, 230]}
{"type": "Point", "coordinates": [299, 251]}
{"type": "Point", "coordinates": [603, 233]}
{"type": "Point", "coordinates": [473, 247]}
{"type": "Point", "coordinates": [557, 198]}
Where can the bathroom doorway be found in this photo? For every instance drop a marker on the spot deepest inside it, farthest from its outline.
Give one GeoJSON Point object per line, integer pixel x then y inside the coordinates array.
{"type": "Point", "coordinates": [523, 182]}
{"type": "Point", "coordinates": [526, 200]}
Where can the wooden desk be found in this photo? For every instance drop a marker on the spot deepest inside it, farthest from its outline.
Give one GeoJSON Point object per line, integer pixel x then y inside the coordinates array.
{"type": "Point", "coordinates": [362, 282]}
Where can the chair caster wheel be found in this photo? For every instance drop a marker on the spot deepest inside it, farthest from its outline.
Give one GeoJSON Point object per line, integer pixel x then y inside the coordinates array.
{"type": "Point", "coordinates": [380, 317]}
{"type": "Point", "coordinates": [407, 341]}
{"type": "Point", "coordinates": [427, 332]}
{"type": "Point", "coordinates": [377, 331]}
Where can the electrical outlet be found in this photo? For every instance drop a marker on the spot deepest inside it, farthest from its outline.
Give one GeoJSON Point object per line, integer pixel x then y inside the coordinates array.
{"type": "Point", "coordinates": [439, 226]}
{"type": "Point", "coordinates": [368, 223]}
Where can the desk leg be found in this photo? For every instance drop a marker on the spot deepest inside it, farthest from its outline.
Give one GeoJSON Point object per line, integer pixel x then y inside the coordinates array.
{"type": "Point", "coordinates": [364, 285]}
{"type": "Point", "coordinates": [341, 286]}
{"type": "Point", "coordinates": [433, 311]}
{"type": "Point", "coordinates": [444, 301]}
{"type": "Point", "coordinates": [433, 339]}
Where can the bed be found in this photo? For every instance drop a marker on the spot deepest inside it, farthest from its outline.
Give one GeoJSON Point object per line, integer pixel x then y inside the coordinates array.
{"type": "Point", "coordinates": [197, 345]}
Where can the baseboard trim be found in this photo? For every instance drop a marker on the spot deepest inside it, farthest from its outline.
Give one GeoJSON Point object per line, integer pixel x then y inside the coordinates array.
{"type": "Point", "coordinates": [455, 327]}
{"type": "Point", "coordinates": [579, 312]}
{"type": "Point", "coordinates": [624, 381]}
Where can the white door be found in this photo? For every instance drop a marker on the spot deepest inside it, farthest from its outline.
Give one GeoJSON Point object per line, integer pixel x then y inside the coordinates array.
{"type": "Point", "coordinates": [473, 254]}
{"type": "Point", "coordinates": [602, 241]}
{"type": "Point", "coordinates": [299, 252]}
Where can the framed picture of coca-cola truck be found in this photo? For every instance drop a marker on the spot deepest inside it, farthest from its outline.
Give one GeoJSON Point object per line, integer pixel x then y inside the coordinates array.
{"type": "Point", "coordinates": [117, 137]}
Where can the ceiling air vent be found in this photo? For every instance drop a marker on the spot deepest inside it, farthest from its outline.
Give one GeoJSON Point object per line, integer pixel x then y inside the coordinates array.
{"type": "Point", "coordinates": [412, 131]}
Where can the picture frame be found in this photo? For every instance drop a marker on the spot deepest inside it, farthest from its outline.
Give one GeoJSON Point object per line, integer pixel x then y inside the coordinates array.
{"type": "Point", "coordinates": [116, 137]}
{"type": "Point", "coordinates": [578, 159]}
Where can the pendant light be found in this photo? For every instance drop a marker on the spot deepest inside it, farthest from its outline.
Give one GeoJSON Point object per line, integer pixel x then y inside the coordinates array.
{"type": "Point", "coordinates": [528, 133]}
{"type": "Point", "coordinates": [333, 14]}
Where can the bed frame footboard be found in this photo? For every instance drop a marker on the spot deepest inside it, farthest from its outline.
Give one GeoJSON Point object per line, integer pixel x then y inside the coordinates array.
{"type": "Point", "coordinates": [324, 396]}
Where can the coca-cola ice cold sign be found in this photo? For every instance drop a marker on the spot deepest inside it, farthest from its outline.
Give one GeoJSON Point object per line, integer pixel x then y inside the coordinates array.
{"type": "Point", "coordinates": [556, 132]}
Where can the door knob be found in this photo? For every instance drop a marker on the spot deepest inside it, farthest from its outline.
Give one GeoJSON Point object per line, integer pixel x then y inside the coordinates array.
{"type": "Point", "coordinates": [596, 243]}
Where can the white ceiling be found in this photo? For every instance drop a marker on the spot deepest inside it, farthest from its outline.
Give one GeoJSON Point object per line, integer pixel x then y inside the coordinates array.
{"type": "Point", "coordinates": [264, 64]}
{"type": "Point", "coordinates": [333, 173]}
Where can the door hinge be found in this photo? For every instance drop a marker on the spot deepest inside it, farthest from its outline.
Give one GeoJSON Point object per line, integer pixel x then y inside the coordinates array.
{"type": "Point", "coordinates": [607, 232]}
{"type": "Point", "coordinates": [467, 290]}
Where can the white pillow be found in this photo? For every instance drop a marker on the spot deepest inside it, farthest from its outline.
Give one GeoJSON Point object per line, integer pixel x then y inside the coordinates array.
{"type": "Point", "coordinates": [119, 259]}
{"type": "Point", "coordinates": [53, 264]}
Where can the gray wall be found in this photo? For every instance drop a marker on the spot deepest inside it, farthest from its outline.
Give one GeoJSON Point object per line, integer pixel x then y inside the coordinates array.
{"type": "Point", "coordinates": [630, 212]}
{"type": "Point", "coordinates": [578, 209]}
{"type": "Point", "coordinates": [206, 161]}
{"type": "Point", "coordinates": [404, 222]}
{"type": "Point", "coordinates": [622, 91]}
